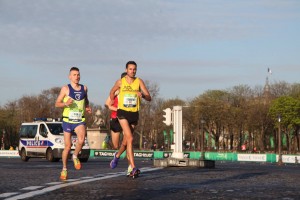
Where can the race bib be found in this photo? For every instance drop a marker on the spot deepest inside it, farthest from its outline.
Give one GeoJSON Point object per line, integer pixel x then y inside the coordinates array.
{"type": "Point", "coordinates": [130, 100]}
{"type": "Point", "coordinates": [75, 116]}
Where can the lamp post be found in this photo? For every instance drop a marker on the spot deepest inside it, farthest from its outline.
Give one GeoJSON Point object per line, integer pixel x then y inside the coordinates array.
{"type": "Point", "coordinates": [279, 142]}
{"type": "Point", "coordinates": [202, 140]}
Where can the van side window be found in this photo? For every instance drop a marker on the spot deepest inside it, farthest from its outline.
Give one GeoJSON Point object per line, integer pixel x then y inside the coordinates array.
{"type": "Point", "coordinates": [28, 131]}
{"type": "Point", "coordinates": [43, 130]}
{"type": "Point", "coordinates": [55, 129]}
{"type": "Point", "coordinates": [32, 131]}
{"type": "Point", "coordinates": [23, 132]}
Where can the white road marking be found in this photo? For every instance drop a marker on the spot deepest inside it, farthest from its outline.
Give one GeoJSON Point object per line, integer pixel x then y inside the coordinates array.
{"type": "Point", "coordinates": [8, 194]}
{"type": "Point", "coordinates": [87, 177]}
{"type": "Point", "coordinates": [74, 182]}
{"type": "Point", "coordinates": [32, 188]}
{"type": "Point", "coordinates": [54, 183]}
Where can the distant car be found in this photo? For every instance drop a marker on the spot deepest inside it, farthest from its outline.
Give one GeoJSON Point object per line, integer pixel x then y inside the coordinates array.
{"type": "Point", "coordinates": [44, 138]}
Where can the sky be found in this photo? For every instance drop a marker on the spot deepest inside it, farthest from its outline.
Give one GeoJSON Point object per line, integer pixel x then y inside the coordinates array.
{"type": "Point", "coordinates": [184, 47]}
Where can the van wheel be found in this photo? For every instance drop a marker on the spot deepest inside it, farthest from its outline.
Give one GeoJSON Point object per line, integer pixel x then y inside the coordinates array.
{"type": "Point", "coordinates": [50, 157]}
{"type": "Point", "coordinates": [23, 155]}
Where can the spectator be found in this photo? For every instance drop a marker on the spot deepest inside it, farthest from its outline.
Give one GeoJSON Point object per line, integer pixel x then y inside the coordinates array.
{"type": "Point", "coordinates": [162, 148]}
{"type": "Point", "coordinates": [153, 147]}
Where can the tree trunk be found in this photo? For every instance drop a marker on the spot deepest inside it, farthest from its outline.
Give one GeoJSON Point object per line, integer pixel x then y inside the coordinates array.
{"type": "Point", "coordinates": [298, 142]}
{"type": "Point", "coordinates": [141, 141]}
{"type": "Point", "coordinates": [240, 140]}
{"type": "Point", "coordinates": [231, 141]}
{"type": "Point", "coordinates": [217, 141]}
{"type": "Point", "coordinates": [209, 140]}
{"type": "Point", "coordinates": [261, 141]}
{"type": "Point", "coordinates": [198, 140]}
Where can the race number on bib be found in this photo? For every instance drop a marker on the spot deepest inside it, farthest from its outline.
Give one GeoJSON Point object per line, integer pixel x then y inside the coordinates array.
{"type": "Point", "coordinates": [130, 100]}
{"type": "Point", "coordinates": [75, 116]}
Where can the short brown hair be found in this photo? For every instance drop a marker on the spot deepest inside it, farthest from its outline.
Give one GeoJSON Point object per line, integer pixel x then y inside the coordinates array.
{"type": "Point", "coordinates": [130, 63]}
{"type": "Point", "coordinates": [74, 69]}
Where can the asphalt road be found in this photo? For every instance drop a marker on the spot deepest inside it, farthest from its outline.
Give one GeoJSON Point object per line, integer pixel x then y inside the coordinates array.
{"type": "Point", "coordinates": [39, 179]}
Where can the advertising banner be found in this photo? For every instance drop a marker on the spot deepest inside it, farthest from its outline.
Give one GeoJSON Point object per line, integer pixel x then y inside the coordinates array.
{"type": "Point", "coordinates": [9, 153]}
{"type": "Point", "coordinates": [252, 157]}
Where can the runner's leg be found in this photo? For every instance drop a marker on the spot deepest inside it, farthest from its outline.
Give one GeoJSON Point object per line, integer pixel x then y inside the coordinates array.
{"type": "Point", "coordinates": [129, 140]}
{"type": "Point", "coordinates": [81, 133]}
{"type": "Point", "coordinates": [66, 151]}
{"type": "Point", "coordinates": [115, 138]}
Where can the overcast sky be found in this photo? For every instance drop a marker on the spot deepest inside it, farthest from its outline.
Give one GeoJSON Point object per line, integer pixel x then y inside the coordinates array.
{"type": "Point", "coordinates": [185, 47]}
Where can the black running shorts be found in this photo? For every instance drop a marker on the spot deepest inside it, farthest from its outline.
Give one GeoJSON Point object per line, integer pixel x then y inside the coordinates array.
{"type": "Point", "coordinates": [115, 125]}
{"type": "Point", "coordinates": [132, 117]}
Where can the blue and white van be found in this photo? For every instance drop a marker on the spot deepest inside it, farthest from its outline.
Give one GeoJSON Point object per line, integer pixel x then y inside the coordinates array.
{"type": "Point", "coordinates": [44, 138]}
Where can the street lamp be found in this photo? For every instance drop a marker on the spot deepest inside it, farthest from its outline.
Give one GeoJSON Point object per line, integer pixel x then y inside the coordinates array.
{"type": "Point", "coordinates": [202, 140]}
{"type": "Point", "coordinates": [279, 142]}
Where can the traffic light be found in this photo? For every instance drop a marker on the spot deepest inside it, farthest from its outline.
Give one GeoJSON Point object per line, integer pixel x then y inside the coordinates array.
{"type": "Point", "coordinates": [168, 116]}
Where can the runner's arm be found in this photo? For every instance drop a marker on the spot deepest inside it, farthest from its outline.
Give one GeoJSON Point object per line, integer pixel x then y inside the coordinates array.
{"type": "Point", "coordinates": [113, 90]}
{"type": "Point", "coordinates": [59, 101]}
{"type": "Point", "coordinates": [145, 93]}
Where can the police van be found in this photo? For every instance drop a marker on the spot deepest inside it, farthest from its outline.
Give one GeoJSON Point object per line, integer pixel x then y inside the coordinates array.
{"type": "Point", "coordinates": [44, 138]}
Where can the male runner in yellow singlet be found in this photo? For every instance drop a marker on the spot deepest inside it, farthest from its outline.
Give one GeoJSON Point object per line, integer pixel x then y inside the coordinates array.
{"type": "Point", "coordinates": [73, 99]}
{"type": "Point", "coordinates": [132, 89]}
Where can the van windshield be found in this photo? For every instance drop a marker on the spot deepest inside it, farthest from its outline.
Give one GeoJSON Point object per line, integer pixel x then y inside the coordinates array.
{"type": "Point", "coordinates": [55, 128]}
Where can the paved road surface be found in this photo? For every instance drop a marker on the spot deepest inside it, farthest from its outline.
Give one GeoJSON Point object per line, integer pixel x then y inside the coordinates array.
{"type": "Point", "coordinates": [38, 179]}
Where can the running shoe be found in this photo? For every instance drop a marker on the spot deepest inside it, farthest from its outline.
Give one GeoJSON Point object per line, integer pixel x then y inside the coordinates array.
{"type": "Point", "coordinates": [63, 175]}
{"type": "Point", "coordinates": [77, 163]}
{"type": "Point", "coordinates": [135, 172]}
{"type": "Point", "coordinates": [114, 162]}
{"type": "Point", "coordinates": [129, 170]}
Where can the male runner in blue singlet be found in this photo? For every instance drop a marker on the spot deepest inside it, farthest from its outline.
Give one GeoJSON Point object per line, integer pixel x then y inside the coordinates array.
{"type": "Point", "coordinates": [73, 99]}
